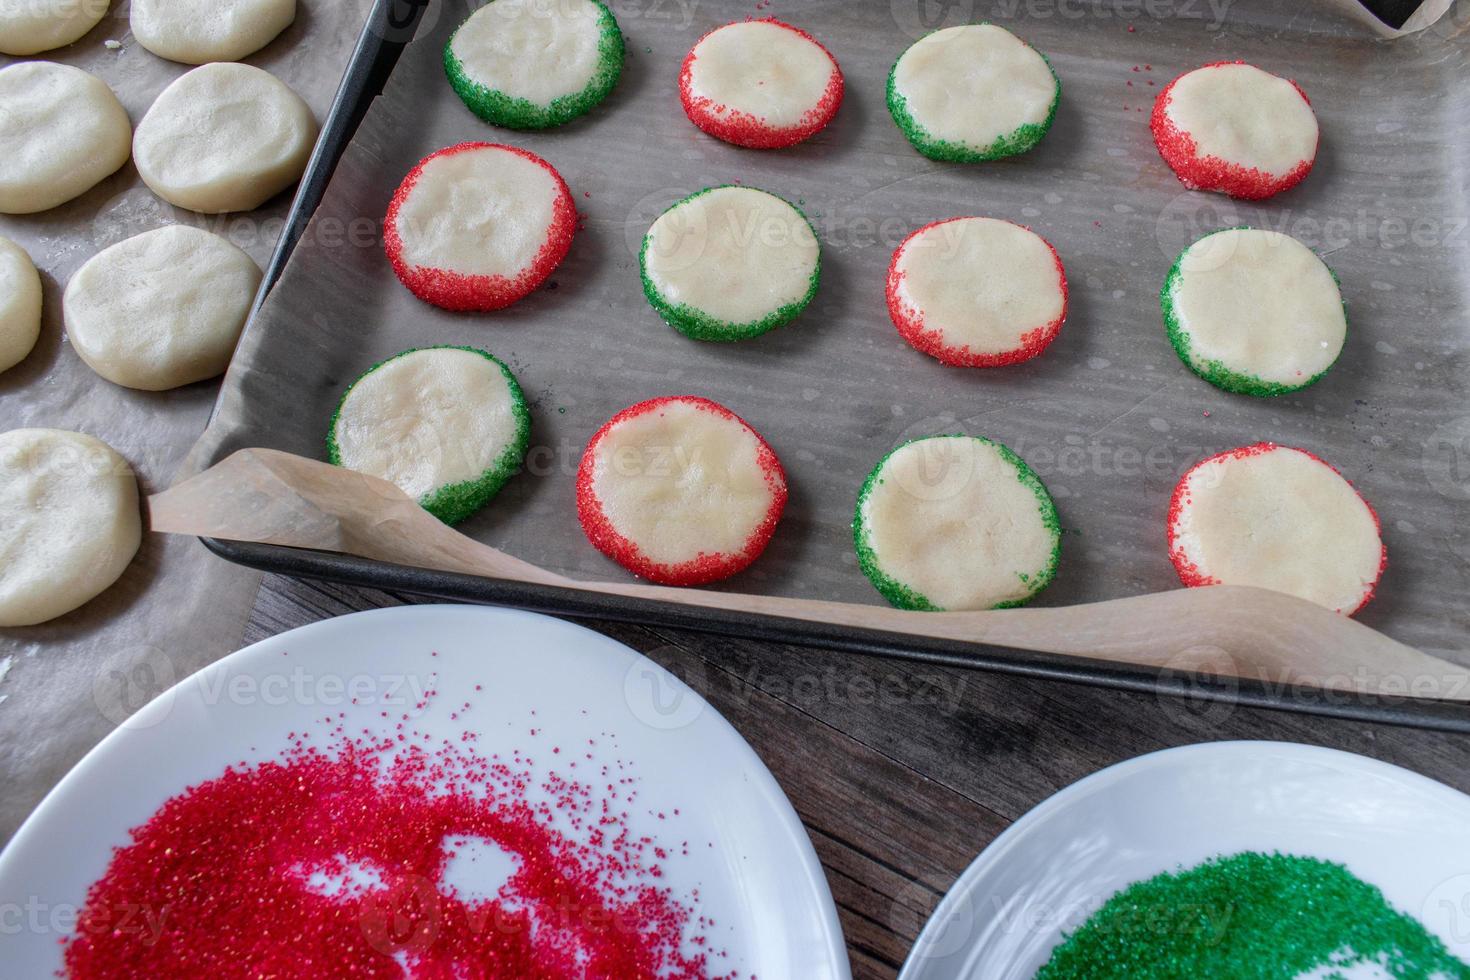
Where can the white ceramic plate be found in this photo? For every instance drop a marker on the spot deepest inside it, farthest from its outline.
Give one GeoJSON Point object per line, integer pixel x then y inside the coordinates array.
{"type": "Point", "coordinates": [760, 881]}
{"type": "Point", "coordinates": [1051, 869]}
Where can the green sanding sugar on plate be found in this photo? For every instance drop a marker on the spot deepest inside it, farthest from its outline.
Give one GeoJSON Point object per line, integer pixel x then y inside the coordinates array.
{"type": "Point", "coordinates": [1251, 915]}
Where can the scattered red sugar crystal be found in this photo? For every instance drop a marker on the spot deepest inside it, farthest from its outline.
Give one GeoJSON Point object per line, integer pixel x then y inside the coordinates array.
{"type": "Point", "coordinates": [339, 862]}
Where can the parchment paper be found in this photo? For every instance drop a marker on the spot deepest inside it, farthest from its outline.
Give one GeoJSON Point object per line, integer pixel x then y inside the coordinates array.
{"type": "Point", "coordinates": [1108, 416]}
{"type": "Point", "coordinates": [65, 684]}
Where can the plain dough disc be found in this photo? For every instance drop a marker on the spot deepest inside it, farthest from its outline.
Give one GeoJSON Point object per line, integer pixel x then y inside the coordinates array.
{"type": "Point", "coordinates": [32, 26]}
{"type": "Point", "coordinates": [1276, 518]}
{"type": "Point", "coordinates": [20, 304]}
{"type": "Point", "coordinates": [519, 64]}
{"type": "Point", "coordinates": [198, 31]}
{"type": "Point", "coordinates": [973, 92]}
{"type": "Point", "coordinates": [224, 137]}
{"type": "Point", "coordinates": [760, 83]}
{"type": "Point", "coordinates": [69, 509]}
{"type": "Point", "coordinates": [730, 263]}
{"type": "Point", "coordinates": [1234, 128]}
{"type": "Point", "coordinates": [977, 292]}
{"type": "Point", "coordinates": [680, 490]}
{"type": "Point", "coordinates": [161, 309]}
{"type": "Point", "coordinates": [447, 425]}
{"type": "Point", "coordinates": [61, 131]}
{"type": "Point", "coordinates": [956, 522]}
{"type": "Point", "coordinates": [478, 226]}
{"type": "Point", "coordinates": [1254, 312]}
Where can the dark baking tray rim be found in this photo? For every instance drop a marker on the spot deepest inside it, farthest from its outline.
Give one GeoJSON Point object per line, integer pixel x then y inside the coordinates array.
{"type": "Point", "coordinates": [390, 25]}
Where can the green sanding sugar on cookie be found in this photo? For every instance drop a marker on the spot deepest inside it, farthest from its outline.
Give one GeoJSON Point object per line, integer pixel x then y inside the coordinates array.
{"type": "Point", "coordinates": [501, 109]}
{"type": "Point", "coordinates": [905, 596]}
{"type": "Point", "coordinates": [1251, 915]}
{"type": "Point", "coordinates": [698, 324]}
{"type": "Point", "coordinates": [454, 502]}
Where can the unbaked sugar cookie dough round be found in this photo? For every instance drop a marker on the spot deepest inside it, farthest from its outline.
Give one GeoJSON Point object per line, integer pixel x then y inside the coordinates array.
{"type": "Point", "coordinates": [447, 425]}
{"type": "Point", "coordinates": [977, 292]}
{"type": "Point", "coordinates": [956, 522]}
{"type": "Point", "coordinates": [160, 309]}
{"type": "Point", "coordinates": [69, 507]}
{"type": "Point", "coordinates": [531, 64]}
{"type": "Point", "coordinates": [730, 263]}
{"type": "Point", "coordinates": [478, 226]}
{"type": "Point", "coordinates": [62, 131]}
{"type": "Point", "coordinates": [199, 31]}
{"type": "Point", "coordinates": [224, 137]}
{"type": "Point", "coordinates": [1254, 312]}
{"type": "Point", "coordinates": [1276, 518]}
{"type": "Point", "coordinates": [32, 26]}
{"type": "Point", "coordinates": [971, 93]}
{"type": "Point", "coordinates": [760, 83]}
{"type": "Point", "coordinates": [20, 304]}
{"type": "Point", "coordinates": [680, 491]}
{"type": "Point", "coordinates": [1233, 128]}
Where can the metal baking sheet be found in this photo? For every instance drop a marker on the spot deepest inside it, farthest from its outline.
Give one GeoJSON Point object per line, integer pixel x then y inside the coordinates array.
{"type": "Point", "coordinates": [1108, 416]}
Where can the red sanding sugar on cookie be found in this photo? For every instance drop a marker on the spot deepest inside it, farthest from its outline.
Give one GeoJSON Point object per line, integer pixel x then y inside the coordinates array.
{"type": "Point", "coordinates": [487, 257]}
{"type": "Point", "coordinates": [342, 860]}
{"type": "Point", "coordinates": [680, 491]}
{"type": "Point", "coordinates": [1277, 518]}
{"type": "Point", "coordinates": [760, 83]}
{"type": "Point", "coordinates": [977, 292]}
{"type": "Point", "coordinates": [1233, 128]}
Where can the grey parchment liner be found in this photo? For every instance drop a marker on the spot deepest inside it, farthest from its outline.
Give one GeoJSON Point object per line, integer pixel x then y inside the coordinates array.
{"type": "Point", "coordinates": [1108, 416]}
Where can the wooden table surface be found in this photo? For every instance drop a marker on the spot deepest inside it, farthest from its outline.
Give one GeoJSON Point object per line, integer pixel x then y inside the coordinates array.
{"type": "Point", "coordinates": [903, 772]}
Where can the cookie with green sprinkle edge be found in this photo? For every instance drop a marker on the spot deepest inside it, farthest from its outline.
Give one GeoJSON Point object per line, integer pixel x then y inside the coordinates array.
{"type": "Point", "coordinates": [945, 123]}
{"type": "Point", "coordinates": [1254, 312]}
{"type": "Point", "coordinates": [429, 454]}
{"type": "Point", "coordinates": [516, 66]}
{"type": "Point", "coordinates": [925, 519]}
{"type": "Point", "coordinates": [710, 278]}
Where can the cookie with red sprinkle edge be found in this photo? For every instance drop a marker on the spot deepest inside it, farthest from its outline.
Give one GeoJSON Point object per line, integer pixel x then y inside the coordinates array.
{"type": "Point", "coordinates": [956, 522]}
{"type": "Point", "coordinates": [977, 292]}
{"type": "Point", "coordinates": [761, 84]}
{"type": "Point", "coordinates": [1233, 128]}
{"type": "Point", "coordinates": [489, 256]}
{"type": "Point", "coordinates": [519, 64]}
{"type": "Point", "coordinates": [1254, 312]}
{"type": "Point", "coordinates": [972, 93]}
{"type": "Point", "coordinates": [447, 425]}
{"type": "Point", "coordinates": [680, 491]}
{"type": "Point", "coordinates": [1277, 518]}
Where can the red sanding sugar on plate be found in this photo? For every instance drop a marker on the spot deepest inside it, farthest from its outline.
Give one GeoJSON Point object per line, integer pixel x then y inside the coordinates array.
{"type": "Point", "coordinates": [760, 83]}
{"type": "Point", "coordinates": [1233, 128]}
{"type": "Point", "coordinates": [489, 256]}
{"type": "Point", "coordinates": [338, 861]}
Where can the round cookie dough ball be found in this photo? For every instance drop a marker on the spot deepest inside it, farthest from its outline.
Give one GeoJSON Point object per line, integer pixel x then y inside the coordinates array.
{"type": "Point", "coordinates": [1276, 518]}
{"type": "Point", "coordinates": [32, 26]}
{"type": "Point", "coordinates": [1254, 312]}
{"type": "Point", "coordinates": [478, 226]}
{"type": "Point", "coordinates": [224, 137]}
{"type": "Point", "coordinates": [971, 93]}
{"type": "Point", "coordinates": [161, 309]}
{"type": "Point", "coordinates": [69, 507]}
{"type": "Point", "coordinates": [680, 491]}
{"type": "Point", "coordinates": [977, 292]}
{"type": "Point", "coordinates": [20, 304]}
{"type": "Point", "coordinates": [524, 65]}
{"type": "Point", "coordinates": [1233, 128]}
{"type": "Point", "coordinates": [760, 83]}
{"type": "Point", "coordinates": [199, 31]}
{"type": "Point", "coordinates": [730, 263]}
{"type": "Point", "coordinates": [956, 522]}
{"type": "Point", "coordinates": [447, 425]}
{"type": "Point", "coordinates": [61, 131]}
